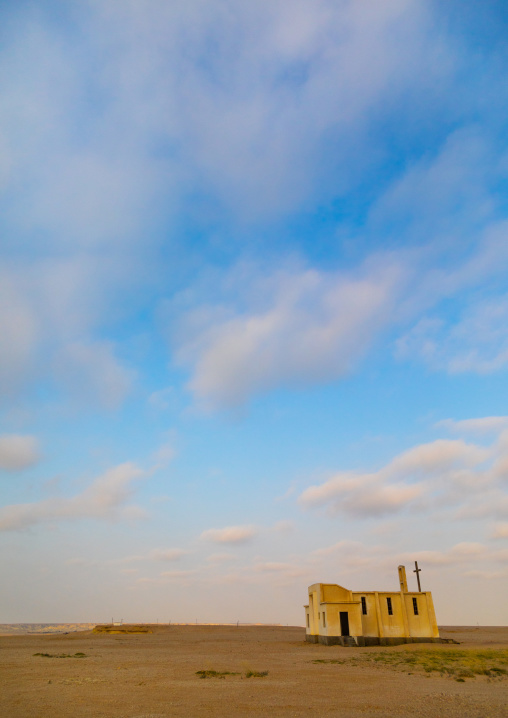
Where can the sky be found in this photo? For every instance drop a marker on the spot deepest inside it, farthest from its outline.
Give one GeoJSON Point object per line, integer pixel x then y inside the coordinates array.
{"type": "Point", "coordinates": [253, 306]}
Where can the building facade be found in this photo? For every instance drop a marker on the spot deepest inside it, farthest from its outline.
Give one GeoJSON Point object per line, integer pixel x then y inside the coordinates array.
{"type": "Point", "coordinates": [336, 615]}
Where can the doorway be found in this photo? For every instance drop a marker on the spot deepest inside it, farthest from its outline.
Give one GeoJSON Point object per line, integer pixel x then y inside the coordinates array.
{"type": "Point", "coordinates": [344, 623]}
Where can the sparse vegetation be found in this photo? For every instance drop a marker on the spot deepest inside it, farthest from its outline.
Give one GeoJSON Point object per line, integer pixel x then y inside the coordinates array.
{"type": "Point", "coordinates": [125, 628]}
{"type": "Point", "coordinates": [61, 655]}
{"type": "Point", "coordinates": [222, 674]}
{"type": "Point", "coordinates": [452, 663]}
{"type": "Point", "coordinates": [215, 674]}
{"type": "Point", "coordinates": [256, 674]}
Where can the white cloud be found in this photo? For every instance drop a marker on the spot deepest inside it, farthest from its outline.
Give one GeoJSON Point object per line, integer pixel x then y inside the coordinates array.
{"type": "Point", "coordinates": [500, 531]}
{"type": "Point", "coordinates": [308, 328]}
{"type": "Point", "coordinates": [192, 95]}
{"type": "Point", "coordinates": [81, 562]}
{"type": "Point", "coordinates": [163, 75]}
{"type": "Point", "coordinates": [218, 558]}
{"type": "Point", "coordinates": [92, 373]}
{"type": "Point", "coordinates": [356, 557]}
{"type": "Point", "coordinates": [362, 495]}
{"type": "Point", "coordinates": [282, 570]}
{"type": "Point", "coordinates": [433, 476]}
{"type": "Point", "coordinates": [18, 452]}
{"type": "Point", "coordinates": [283, 526]}
{"type": "Point", "coordinates": [89, 178]}
{"type": "Point", "coordinates": [242, 534]}
{"type": "Point", "coordinates": [483, 425]}
{"type": "Point", "coordinates": [230, 534]}
{"type": "Point", "coordinates": [161, 400]}
{"type": "Point", "coordinates": [451, 182]}
{"type": "Point", "coordinates": [179, 575]}
{"type": "Point", "coordinates": [489, 503]}
{"type": "Point", "coordinates": [50, 309]}
{"type": "Point", "coordinates": [300, 327]}
{"type": "Point", "coordinates": [168, 554]}
{"type": "Point", "coordinates": [486, 575]}
{"type": "Point", "coordinates": [18, 329]}
{"type": "Point", "coordinates": [476, 343]}
{"type": "Point", "coordinates": [105, 498]}
{"type": "Point", "coordinates": [175, 120]}
{"type": "Point", "coordinates": [164, 454]}
{"type": "Point", "coordinates": [461, 553]}
{"type": "Point", "coordinates": [437, 456]}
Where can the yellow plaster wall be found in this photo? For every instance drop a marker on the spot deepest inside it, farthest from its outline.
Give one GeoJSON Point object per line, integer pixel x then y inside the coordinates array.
{"type": "Point", "coordinates": [333, 611]}
{"type": "Point", "coordinates": [355, 619]}
{"type": "Point", "coordinates": [314, 603]}
{"type": "Point", "coordinates": [332, 592]}
{"type": "Point", "coordinates": [432, 615]}
{"type": "Point", "coordinates": [423, 624]}
{"type": "Point", "coordinates": [393, 626]}
{"type": "Point", "coordinates": [369, 622]}
{"type": "Point", "coordinates": [330, 610]}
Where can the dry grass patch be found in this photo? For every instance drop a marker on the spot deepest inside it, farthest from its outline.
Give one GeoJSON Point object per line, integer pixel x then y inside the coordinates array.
{"type": "Point", "coordinates": [108, 628]}
{"type": "Point", "coordinates": [453, 663]}
{"type": "Point", "coordinates": [222, 674]}
{"type": "Point", "coordinates": [61, 655]}
{"type": "Point", "coordinates": [215, 674]}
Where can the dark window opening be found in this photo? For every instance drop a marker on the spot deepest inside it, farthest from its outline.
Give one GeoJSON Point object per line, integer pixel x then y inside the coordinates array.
{"type": "Point", "coordinates": [389, 604]}
{"type": "Point", "coordinates": [324, 619]}
{"type": "Point", "coordinates": [308, 621]}
{"type": "Point", "coordinates": [415, 606]}
{"type": "Point", "coordinates": [364, 605]}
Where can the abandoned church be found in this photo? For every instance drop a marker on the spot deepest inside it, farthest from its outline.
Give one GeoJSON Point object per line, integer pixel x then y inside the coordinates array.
{"type": "Point", "coordinates": [336, 615]}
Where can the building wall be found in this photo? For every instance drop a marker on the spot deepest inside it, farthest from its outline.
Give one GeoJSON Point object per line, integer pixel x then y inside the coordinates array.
{"type": "Point", "coordinates": [327, 601]}
{"type": "Point", "coordinates": [392, 625]}
{"type": "Point", "coordinates": [423, 624]}
{"type": "Point", "coordinates": [335, 593]}
{"type": "Point", "coordinates": [332, 612]}
{"type": "Point", "coordinates": [314, 608]}
{"type": "Point", "coordinates": [369, 621]}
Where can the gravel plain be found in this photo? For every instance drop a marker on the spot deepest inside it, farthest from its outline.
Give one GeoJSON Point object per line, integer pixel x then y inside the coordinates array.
{"type": "Point", "coordinates": [155, 675]}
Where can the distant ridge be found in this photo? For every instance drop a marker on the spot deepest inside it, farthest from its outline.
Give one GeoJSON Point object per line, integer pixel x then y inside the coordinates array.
{"type": "Point", "coordinates": [7, 629]}
{"type": "Point", "coordinates": [10, 629]}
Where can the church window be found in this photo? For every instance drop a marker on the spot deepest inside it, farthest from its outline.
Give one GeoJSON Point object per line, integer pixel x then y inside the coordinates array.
{"type": "Point", "coordinates": [364, 605]}
{"type": "Point", "coordinates": [389, 604]}
{"type": "Point", "coordinates": [324, 619]}
{"type": "Point", "coordinates": [308, 621]}
{"type": "Point", "coordinates": [415, 606]}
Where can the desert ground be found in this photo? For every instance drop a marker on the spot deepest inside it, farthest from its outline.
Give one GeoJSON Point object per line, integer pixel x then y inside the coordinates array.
{"type": "Point", "coordinates": [228, 671]}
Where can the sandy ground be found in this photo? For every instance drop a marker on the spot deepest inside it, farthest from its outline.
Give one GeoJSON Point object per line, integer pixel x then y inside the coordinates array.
{"type": "Point", "coordinates": [154, 676]}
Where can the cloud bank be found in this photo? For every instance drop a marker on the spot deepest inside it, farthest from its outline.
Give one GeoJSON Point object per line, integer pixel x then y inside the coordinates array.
{"type": "Point", "coordinates": [18, 452]}
{"type": "Point", "coordinates": [315, 326]}
{"type": "Point", "coordinates": [230, 534]}
{"type": "Point", "coordinates": [466, 479]}
{"type": "Point", "coordinates": [104, 499]}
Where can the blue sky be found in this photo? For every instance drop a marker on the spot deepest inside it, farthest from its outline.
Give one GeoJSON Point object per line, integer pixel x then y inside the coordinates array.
{"type": "Point", "coordinates": [254, 306]}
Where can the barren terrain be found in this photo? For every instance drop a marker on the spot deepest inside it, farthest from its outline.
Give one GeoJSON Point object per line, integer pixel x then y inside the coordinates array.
{"type": "Point", "coordinates": [231, 671]}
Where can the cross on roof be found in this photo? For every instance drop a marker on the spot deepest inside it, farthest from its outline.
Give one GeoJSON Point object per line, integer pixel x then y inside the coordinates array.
{"type": "Point", "coordinates": [417, 571]}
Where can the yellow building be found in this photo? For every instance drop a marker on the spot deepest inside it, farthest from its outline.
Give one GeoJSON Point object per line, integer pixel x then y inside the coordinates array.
{"type": "Point", "coordinates": [336, 615]}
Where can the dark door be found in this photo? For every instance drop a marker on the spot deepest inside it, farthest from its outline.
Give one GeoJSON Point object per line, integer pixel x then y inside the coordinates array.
{"type": "Point", "coordinates": [344, 623]}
